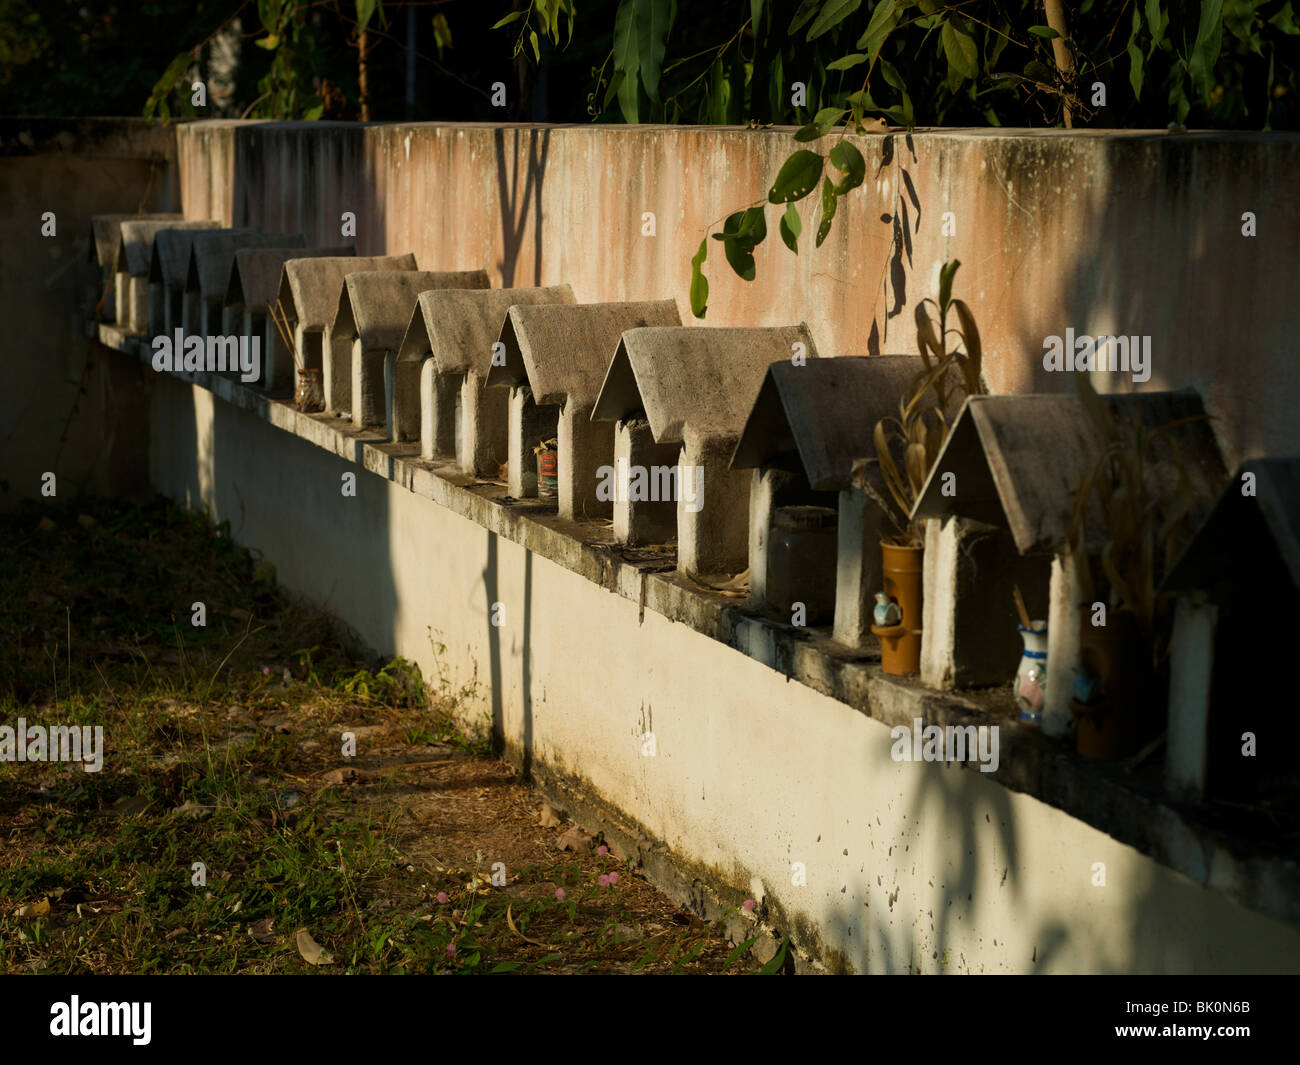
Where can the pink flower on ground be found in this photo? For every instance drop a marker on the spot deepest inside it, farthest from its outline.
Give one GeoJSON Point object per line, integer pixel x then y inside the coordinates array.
{"type": "Point", "coordinates": [451, 948]}
{"type": "Point", "coordinates": [604, 880]}
{"type": "Point", "coordinates": [559, 894]}
{"type": "Point", "coordinates": [602, 850]}
{"type": "Point", "coordinates": [266, 670]}
{"type": "Point", "coordinates": [747, 905]}
{"type": "Point", "coordinates": [442, 896]}
{"type": "Point", "coordinates": [613, 878]}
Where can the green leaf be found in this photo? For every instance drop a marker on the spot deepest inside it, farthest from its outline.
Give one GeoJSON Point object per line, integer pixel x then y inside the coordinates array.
{"type": "Point", "coordinates": [1205, 51]}
{"type": "Point", "coordinates": [504, 967]}
{"type": "Point", "coordinates": [270, 43]}
{"type": "Point", "coordinates": [833, 12]}
{"type": "Point", "coordinates": [512, 17]}
{"type": "Point", "coordinates": [741, 233]}
{"type": "Point", "coordinates": [654, 20]}
{"type": "Point", "coordinates": [740, 949]}
{"type": "Point", "coordinates": [699, 283]}
{"type": "Point", "coordinates": [883, 21]}
{"type": "Point", "coordinates": [960, 49]}
{"type": "Point", "coordinates": [790, 228]}
{"type": "Point", "coordinates": [365, 9]}
{"type": "Point", "coordinates": [269, 12]}
{"type": "Point", "coordinates": [894, 78]}
{"type": "Point", "coordinates": [627, 59]}
{"type": "Point", "coordinates": [797, 177]}
{"type": "Point", "coordinates": [756, 9]}
{"type": "Point", "coordinates": [1135, 58]}
{"type": "Point", "coordinates": [828, 210]}
{"type": "Point", "coordinates": [848, 62]}
{"type": "Point", "coordinates": [778, 960]}
{"type": "Point", "coordinates": [312, 114]}
{"type": "Point", "coordinates": [532, 39]}
{"type": "Point", "coordinates": [1157, 21]}
{"type": "Point", "coordinates": [441, 34]}
{"type": "Point", "coordinates": [846, 158]}
{"type": "Point", "coordinates": [806, 11]}
{"type": "Point", "coordinates": [946, 274]}
{"type": "Point", "coordinates": [823, 122]}
{"type": "Point", "coordinates": [1038, 71]}
{"type": "Point", "coordinates": [1044, 31]}
{"type": "Point", "coordinates": [1284, 20]}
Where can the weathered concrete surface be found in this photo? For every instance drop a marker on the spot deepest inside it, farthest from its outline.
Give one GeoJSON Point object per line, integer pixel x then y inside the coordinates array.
{"type": "Point", "coordinates": [140, 287]}
{"type": "Point", "coordinates": [105, 244]}
{"type": "Point", "coordinates": [1019, 460]}
{"type": "Point", "coordinates": [1104, 232]}
{"type": "Point", "coordinates": [255, 275]}
{"type": "Point", "coordinates": [309, 288]}
{"type": "Point", "coordinates": [65, 407]}
{"type": "Point", "coordinates": [981, 860]}
{"type": "Point", "coordinates": [374, 309]}
{"type": "Point", "coordinates": [458, 328]}
{"type": "Point", "coordinates": [212, 256]}
{"type": "Point", "coordinates": [562, 352]}
{"type": "Point", "coordinates": [694, 380]}
{"type": "Point", "coordinates": [826, 411]}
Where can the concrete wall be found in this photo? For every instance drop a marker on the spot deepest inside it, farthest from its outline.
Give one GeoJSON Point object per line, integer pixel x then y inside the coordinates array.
{"type": "Point", "coordinates": [909, 866]}
{"type": "Point", "coordinates": [946, 869]}
{"type": "Point", "coordinates": [1100, 232]}
{"type": "Point", "coordinates": [75, 168]}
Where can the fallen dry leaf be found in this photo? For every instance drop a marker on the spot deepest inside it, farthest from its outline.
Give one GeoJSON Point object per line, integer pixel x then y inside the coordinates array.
{"type": "Point", "coordinates": [346, 775]}
{"type": "Point", "coordinates": [33, 909]}
{"type": "Point", "coordinates": [574, 840]}
{"type": "Point", "coordinates": [192, 811]}
{"type": "Point", "coordinates": [312, 952]}
{"type": "Point", "coordinates": [128, 806]}
{"type": "Point", "coordinates": [550, 816]}
{"type": "Point", "coordinates": [510, 923]}
{"type": "Point", "coordinates": [264, 932]}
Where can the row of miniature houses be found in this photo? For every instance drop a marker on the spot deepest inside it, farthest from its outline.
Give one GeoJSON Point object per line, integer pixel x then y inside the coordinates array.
{"type": "Point", "coordinates": [482, 377]}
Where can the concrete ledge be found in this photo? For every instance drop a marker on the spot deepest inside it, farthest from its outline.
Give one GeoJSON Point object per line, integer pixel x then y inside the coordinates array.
{"type": "Point", "coordinates": [1234, 859]}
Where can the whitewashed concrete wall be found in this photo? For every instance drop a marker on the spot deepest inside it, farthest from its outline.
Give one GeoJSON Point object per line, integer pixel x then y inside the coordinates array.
{"type": "Point", "coordinates": [909, 866]}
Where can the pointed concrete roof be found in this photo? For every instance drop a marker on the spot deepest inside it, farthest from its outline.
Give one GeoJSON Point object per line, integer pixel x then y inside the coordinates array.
{"type": "Point", "coordinates": [1243, 533]}
{"type": "Point", "coordinates": [171, 253]}
{"type": "Point", "coordinates": [693, 378]}
{"type": "Point", "coordinates": [562, 352]}
{"type": "Point", "coordinates": [213, 254]}
{"type": "Point", "coordinates": [1019, 461]}
{"type": "Point", "coordinates": [459, 326]}
{"type": "Point", "coordinates": [826, 411]}
{"type": "Point", "coordinates": [309, 288]}
{"type": "Point", "coordinates": [135, 253]}
{"type": "Point", "coordinates": [106, 233]}
{"type": "Point", "coordinates": [376, 305]}
{"type": "Point", "coordinates": [255, 273]}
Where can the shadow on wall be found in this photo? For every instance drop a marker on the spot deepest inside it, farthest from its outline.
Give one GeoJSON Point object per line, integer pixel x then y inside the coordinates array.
{"type": "Point", "coordinates": [1181, 205]}
{"type": "Point", "coordinates": [513, 201]}
{"type": "Point", "coordinates": [1163, 920]}
{"type": "Point", "coordinates": [285, 181]}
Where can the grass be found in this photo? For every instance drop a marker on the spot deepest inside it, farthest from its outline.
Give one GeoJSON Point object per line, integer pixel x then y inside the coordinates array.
{"type": "Point", "coordinates": [226, 819]}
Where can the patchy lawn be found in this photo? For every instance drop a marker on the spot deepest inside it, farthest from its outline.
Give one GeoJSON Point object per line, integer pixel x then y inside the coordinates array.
{"type": "Point", "coordinates": [223, 745]}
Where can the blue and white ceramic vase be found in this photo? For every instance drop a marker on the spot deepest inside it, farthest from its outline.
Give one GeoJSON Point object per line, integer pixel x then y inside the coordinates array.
{"type": "Point", "coordinates": [1031, 676]}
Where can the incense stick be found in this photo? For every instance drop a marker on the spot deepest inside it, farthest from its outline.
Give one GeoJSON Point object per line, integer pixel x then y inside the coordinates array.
{"type": "Point", "coordinates": [1020, 606]}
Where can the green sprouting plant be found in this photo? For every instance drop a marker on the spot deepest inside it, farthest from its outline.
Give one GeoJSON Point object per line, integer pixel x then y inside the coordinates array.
{"type": "Point", "coordinates": [908, 444]}
{"type": "Point", "coordinates": [540, 20]}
